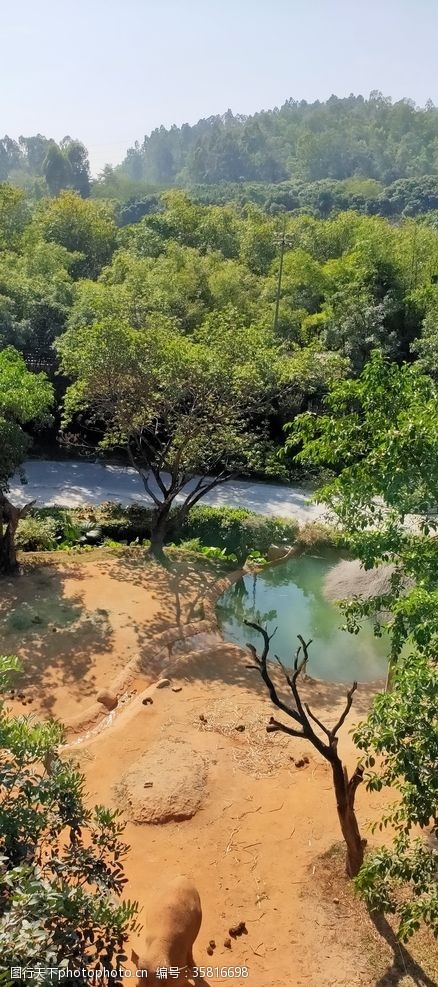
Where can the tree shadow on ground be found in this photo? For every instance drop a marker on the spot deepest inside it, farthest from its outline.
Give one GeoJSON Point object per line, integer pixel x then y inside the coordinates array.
{"type": "Point", "coordinates": [182, 585]}
{"type": "Point", "coordinates": [403, 963]}
{"type": "Point", "coordinates": [54, 635]}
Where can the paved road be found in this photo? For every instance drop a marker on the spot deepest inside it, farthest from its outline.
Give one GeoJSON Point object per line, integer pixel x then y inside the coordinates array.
{"type": "Point", "coordinates": [72, 483]}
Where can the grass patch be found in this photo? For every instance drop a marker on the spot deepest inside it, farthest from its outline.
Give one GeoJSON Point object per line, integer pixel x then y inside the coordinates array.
{"type": "Point", "coordinates": [27, 618]}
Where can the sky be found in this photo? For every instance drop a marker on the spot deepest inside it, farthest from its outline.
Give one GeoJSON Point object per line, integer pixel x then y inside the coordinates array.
{"type": "Point", "coordinates": [109, 71]}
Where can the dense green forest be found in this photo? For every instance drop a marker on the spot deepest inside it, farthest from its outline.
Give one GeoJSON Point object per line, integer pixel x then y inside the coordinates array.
{"type": "Point", "coordinates": [348, 282]}
{"type": "Point", "coordinates": [369, 155]}
{"type": "Point", "coordinates": [336, 139]}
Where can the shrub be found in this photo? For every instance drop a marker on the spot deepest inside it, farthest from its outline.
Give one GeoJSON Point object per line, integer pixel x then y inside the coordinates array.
{"type": "Point", "coordinates": [123, 523]}
{"type": "Point", "coordinates": [58, 909]}
{"type": "Point", "coordinates": [233, 531]}
{"type": "Point", "coordinates": [36, 534]}
{"type": "Point", "coordinates": [237, 530]}
{"type": "Point", "coordinates": [318, 536]}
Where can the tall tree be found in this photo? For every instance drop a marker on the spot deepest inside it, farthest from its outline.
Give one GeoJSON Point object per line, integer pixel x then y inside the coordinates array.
{"type": "Point", "coordinates": [77, 156]}
{"type": "Point", "coordinates": [178, 406]}
{"type": "Point", "coordinates": [56, 169]}
{"type": "Point", "coordinates": [24, 398]}
{"type": "Point", "coordinates": [380, 436]}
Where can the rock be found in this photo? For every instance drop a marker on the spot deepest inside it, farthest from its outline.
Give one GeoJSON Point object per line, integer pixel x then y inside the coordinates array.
{"type": "Point", "coordinates": [227, 943]}
{"type": "Point", "coordinates": [107, 699]}
{"type": "Point", "coordinates": [176, 688]}
{"type": "Point", "coordinates": [276, 552]}
{"type": "Point", "coordinates": [240, 727]}
{"type": "Point", "coordinates": [177, 780]}
{"type": "Point", "coordinates": [147, 701]}
{"type": "Point", "coordinates": [93, 535]}
{"type": "Point", "coordinates": [212, 944]}
{"type": "Point", "coordinates": [196, 642]}
{"type": "Point", "coordinates": [203, 718]}
{"type": "Point", "coordinates": [336, 901]}
{"type": "Point", "coordinates": [162, 684]}
{"type": "Point", "coordinates": [209, 951]}
{"type": "Point", "coordinates": [349, 578]}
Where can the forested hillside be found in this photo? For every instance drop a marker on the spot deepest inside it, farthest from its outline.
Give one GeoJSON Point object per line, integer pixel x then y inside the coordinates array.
{"type": "Point", "coordinates": [371, 137]}
{"type": "Point", "coordinates": [372, 156]}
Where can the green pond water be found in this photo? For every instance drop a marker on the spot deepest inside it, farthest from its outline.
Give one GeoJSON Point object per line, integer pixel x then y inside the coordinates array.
{"type": "Point", "coordinates": [290, 597]}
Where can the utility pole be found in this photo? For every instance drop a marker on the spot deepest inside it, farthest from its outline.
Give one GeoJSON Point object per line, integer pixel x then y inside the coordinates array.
{"type": "Point", "coordinates": [282, 240]}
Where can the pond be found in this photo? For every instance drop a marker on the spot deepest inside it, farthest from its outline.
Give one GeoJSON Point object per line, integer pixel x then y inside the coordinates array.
{"type": "Point", "coordinates": [290, 597]}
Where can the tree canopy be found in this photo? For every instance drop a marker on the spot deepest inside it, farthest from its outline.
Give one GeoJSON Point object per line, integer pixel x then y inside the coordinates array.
{"type": "Point", "coordinates": [179, 406]}
{"type": "Point", "coordinates": [380, 437]}
{"type": "Point", "coordinates": [336, 139]}
{"type": "Point", "coordinates": [25, 397]}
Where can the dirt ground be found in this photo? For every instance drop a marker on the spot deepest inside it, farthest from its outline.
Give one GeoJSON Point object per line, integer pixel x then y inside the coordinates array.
{"type": "Point", "coordinates": [75, 621]}
{"type": "Point", "coordinates": [206, 791]}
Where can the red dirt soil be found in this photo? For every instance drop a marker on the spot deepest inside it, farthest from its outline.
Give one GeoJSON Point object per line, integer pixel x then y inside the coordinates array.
{"type": "Point", "coordinates": [259, 825]}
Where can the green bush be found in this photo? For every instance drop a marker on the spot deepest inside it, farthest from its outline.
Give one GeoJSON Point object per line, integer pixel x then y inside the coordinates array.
{"type": "Point", "coordinates": [225, 530]}
{"type": "Point", "coordinates": [123, 523]}
{"type": "Point", "coordinates": [36, 534]}
{"type": "Point", "coordinates": [61, 910]}
{"type": "Point", "coordinates": [115, 522]}
{"type": "Point", "coordinates": [237, 530]}
{"type": "Point", "coordinates": [318, 536]}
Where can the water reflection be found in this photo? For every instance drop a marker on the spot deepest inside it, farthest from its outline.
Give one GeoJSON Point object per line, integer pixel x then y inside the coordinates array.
{"type": "Point", "coordinates": [290, 596]}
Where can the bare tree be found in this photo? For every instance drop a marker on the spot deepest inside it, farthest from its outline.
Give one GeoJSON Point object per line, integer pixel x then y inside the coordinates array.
{"type": "Point", "coordinates": [344, 787]}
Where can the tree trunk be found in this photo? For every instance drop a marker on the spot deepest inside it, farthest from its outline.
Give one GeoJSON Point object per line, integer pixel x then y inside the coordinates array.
{"type": "Point", "coordinates": [9, 518]}
{"type": "Point", "coordinates": [159, 525]}
{"type": "Point", "coordinates": [345, 791]}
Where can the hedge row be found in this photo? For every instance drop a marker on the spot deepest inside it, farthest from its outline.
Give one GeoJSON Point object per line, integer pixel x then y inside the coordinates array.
{"type": "Point", "coordinates": [237, 531]}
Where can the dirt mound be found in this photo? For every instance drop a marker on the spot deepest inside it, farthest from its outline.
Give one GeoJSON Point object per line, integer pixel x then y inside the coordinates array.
{"type": "Point", "coordinates": [166, 784]}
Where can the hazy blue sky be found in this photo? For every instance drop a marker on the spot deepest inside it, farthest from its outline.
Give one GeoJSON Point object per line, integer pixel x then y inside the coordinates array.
{"type": "Point", "coordinates": [109, 71]}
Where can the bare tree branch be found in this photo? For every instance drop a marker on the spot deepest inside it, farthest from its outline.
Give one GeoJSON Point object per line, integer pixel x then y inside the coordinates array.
{"type": "Point", "coordinates": [315, 720]}
{"type": "Point", "coordinates": [344, 715]}
{"type": "Point", "coordinates": [344, 788]}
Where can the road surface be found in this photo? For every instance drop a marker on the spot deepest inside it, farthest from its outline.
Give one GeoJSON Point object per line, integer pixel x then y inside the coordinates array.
{"type": "Point", "coordinates": [71, 483]}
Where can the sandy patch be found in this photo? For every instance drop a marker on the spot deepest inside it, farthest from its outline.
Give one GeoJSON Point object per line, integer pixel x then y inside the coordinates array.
{"type": "Point", "coordinates": [77, 621]}
{"type": "Point", "coordinates": [254, 844]}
